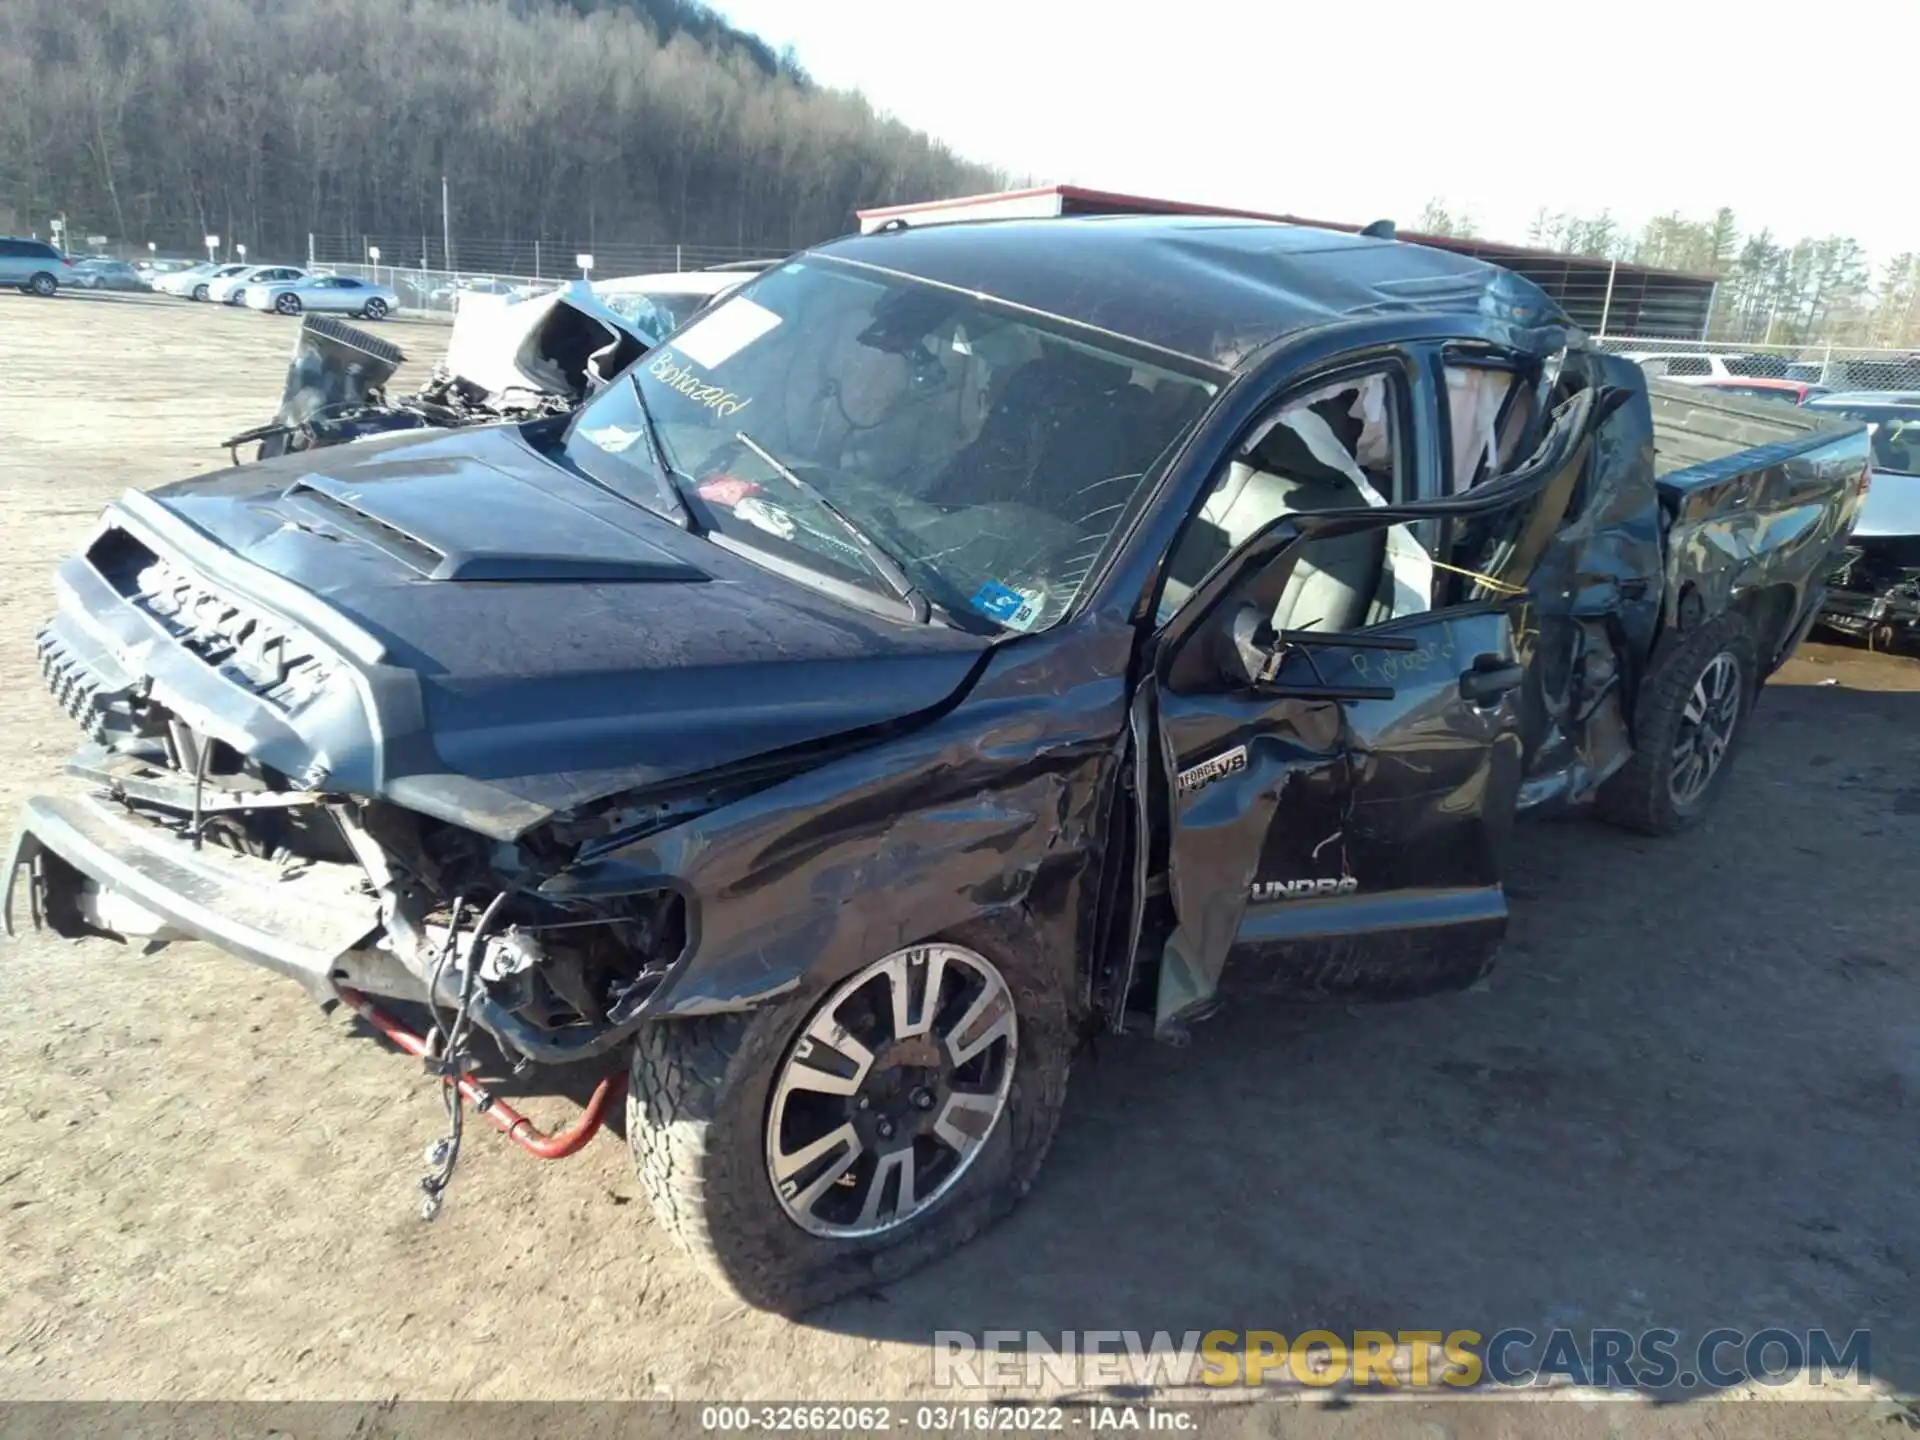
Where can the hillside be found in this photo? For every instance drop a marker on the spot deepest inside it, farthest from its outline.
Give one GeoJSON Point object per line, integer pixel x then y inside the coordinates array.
{"type": "Point", "coordinates": [629, 120]}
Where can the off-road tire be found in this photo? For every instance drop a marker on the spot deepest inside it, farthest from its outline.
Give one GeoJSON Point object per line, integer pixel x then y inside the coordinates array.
{"type": "Point", "coordinates": [1640, 797]}
{"type": "Point", "coordinates": [44, 285]}
{"type": "Point", "coordinates": [697, 1106]}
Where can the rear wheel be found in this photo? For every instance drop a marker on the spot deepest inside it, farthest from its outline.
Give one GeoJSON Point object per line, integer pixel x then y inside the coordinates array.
{"type": "Point", "coordinates": [849, 1135]}
{"type": "Point", "coordinates": [42, 285]}
{"type": "Point", "coordinates": [199, 292]}
{"type": "Point", "coordinates": [287, 304]}
{"type": "Point", "coordinates": [1692, 710]}
{"type": "Point", "coordinates": [375, 309]}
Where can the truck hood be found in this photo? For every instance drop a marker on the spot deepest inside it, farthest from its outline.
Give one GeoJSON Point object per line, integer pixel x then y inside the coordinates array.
{"type": "Point", "coordinates": [555, 642]}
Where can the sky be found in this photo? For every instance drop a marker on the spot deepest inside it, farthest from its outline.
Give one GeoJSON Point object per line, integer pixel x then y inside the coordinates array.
{"type": "Point", "coordinates": [1354, 110]}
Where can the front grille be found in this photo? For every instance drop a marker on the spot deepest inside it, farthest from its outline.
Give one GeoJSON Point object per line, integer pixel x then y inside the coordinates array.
{"type": "Point", "coordinates": [274, 662]}
{"type": "Point", "coordinates": [80, 692]}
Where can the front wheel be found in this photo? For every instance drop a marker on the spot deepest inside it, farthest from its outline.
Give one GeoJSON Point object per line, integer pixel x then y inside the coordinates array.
{"type": "Point", "coordinates": [199, 292]}
{"type": "Point", "coordinates": [287, 304]}
{"type": "Point", "coordinates": [42, 285]}
{"type": "Point", "coordinates": [375, 309]}
{"type": "Point", "coordinates": [854, 1132]}
{"type": "Point", "coordinates": [1693, 707]}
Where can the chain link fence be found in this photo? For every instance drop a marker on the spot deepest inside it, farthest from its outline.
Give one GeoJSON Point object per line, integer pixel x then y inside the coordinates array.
{"type": "Point", "coordinates": [416, 269]}
{"type": "Point", "coordinates": [1835, 367]}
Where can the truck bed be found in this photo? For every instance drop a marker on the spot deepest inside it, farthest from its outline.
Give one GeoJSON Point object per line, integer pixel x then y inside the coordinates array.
{"type": "Point", "coordinates": [1695, 429]}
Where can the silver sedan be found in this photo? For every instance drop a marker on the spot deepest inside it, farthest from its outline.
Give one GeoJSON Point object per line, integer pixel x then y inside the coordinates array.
{"type": "Point", "coordinates": [342, 294]}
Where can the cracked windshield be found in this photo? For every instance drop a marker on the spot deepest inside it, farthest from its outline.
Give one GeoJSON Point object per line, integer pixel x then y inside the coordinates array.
{"type": "Point", "coordinates": [897, 437]}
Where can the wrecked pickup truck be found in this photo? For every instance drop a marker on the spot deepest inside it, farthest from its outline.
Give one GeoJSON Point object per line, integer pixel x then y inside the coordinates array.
{"type": "Point", "coordinates": [958, 640]}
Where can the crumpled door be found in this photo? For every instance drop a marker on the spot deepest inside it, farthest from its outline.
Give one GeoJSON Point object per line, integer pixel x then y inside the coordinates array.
{"type": "Point", "coordinates": [1351, 808]}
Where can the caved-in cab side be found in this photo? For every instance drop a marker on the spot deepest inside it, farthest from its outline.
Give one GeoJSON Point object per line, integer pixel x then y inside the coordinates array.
{"type": "Point", "coordinates": [1353, 684]}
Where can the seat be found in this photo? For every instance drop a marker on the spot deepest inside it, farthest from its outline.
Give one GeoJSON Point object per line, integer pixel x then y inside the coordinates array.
{"type": "Point", "coordinates": [1334, 578]}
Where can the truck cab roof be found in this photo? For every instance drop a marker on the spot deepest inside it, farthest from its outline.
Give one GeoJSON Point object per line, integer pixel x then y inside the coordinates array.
{"type": "Point", "coordinates": [1207, 288]}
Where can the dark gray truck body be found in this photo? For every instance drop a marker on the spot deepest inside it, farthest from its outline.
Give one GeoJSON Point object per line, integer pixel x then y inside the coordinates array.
{"type": "Point", "coordinates": [446, 632]}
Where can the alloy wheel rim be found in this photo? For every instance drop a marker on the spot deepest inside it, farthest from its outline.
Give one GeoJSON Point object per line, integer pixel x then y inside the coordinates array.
{"type": "Point", "coordinates": [890, 1091]}
{"type": "Point", "coordinates": [1706, 729]}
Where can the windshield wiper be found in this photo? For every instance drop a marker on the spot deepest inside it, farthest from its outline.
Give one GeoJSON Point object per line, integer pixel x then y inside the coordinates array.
{"type": "Point", "coordinates": [888, 567]}
{"type": "Point", "coordinates": [678, 509]}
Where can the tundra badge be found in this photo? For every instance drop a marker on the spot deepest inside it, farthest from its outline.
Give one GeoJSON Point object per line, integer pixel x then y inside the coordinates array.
{"type": "Point", "coordinates": [1265, 890]}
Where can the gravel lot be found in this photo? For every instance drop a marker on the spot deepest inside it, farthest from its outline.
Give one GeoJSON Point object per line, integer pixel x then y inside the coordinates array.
{"type": "Point", "coordinates": [1689, 1097]}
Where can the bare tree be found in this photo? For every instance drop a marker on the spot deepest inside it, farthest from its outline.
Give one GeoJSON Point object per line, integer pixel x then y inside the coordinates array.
{"type": "Point", "coordinates": [638, 120]}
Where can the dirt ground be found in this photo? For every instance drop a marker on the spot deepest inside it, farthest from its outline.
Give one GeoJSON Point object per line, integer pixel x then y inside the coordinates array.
{"type": "Point", "coordinates": [1689, 1097]}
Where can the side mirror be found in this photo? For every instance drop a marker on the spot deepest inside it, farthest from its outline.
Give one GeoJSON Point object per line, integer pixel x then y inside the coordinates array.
{"type": "Point", "coordinates": [1244, 648]}
{"type": "Point", "coordinates": [1250, 654]}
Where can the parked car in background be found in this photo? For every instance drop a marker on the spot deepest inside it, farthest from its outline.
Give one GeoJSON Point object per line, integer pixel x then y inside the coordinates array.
{"type": "Point", "coordinates": [154, 269]}
{"type": "Point", "coordinates": [1690, 367]}
{"type": "Point", "coordinates": [445, 297]}
{"type": "Point", "coordinates": [1874, 592]}
{"type": "Point", "coordinates": [342, 294]}
{"type": "Point", "coordinates": [198, 282]}
{"type": "Point", "coordinates": [33, 267]}
{"type": "Point", "coordinates": [227, 289]}
{"type": "Point", "coordinates": [181, 282]}
{"type": "Point", "coordinates": [1793, 392]}
{"type": "Point", "coordinates": [99, 273]}
{"type": "Point", "coordinates": [657, 305]}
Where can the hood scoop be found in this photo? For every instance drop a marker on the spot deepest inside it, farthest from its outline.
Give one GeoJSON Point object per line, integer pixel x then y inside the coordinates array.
{"type": "Point", "coordinates": [442, 526]}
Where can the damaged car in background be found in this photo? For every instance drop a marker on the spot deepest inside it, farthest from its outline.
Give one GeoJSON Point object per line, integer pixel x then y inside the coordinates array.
{"type": "Point", "coordinates": [507, 360]}
{"type": "Point", "coordinates": [956, 641]}
{"type": "Point", "coordinates": [510, 357]}
{"type": "Point", "coordinates": [1874, 592]}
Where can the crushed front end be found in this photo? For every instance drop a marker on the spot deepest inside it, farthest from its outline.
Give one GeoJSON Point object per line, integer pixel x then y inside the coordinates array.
{"type": "Point", "coordinates": [235, 786]}
{"type": "Point", "coordinates": [1874, 591]}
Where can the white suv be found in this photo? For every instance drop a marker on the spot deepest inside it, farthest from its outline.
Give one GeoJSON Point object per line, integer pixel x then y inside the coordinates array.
{"type": "Point", "coordinates": [1692, 366]}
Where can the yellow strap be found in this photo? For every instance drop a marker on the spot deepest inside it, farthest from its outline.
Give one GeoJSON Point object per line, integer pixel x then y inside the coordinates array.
{"type": "Point", "coordinates": [1499, 587]}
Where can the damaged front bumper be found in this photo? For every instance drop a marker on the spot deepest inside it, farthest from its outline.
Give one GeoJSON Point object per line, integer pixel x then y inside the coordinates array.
{"type": "Point", "coordinates": [94, 865]}
{"type": "Point", "coordinates": [1874, 592]}
{"type": "Point", "coordinates": [89, 868]}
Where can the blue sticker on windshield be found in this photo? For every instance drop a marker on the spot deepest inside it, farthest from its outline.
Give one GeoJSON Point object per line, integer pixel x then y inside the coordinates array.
{"type": "Point", "coordinates": [997, 602]}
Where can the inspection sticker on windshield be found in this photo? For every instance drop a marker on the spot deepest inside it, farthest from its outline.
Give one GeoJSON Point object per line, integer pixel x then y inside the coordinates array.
{"type": "Point", "coordinates": [613, 439]}
{"type": "Point", "coordinates": [727, 490]}
{"type": "Point", "coordinates": [1016, 609]}
{"type": "Point", "coordinates": [731, 328]}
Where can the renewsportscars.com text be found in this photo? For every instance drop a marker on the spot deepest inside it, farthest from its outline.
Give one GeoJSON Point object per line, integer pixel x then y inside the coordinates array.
{"type": "Point", "coordinates": [1655, 1359]}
